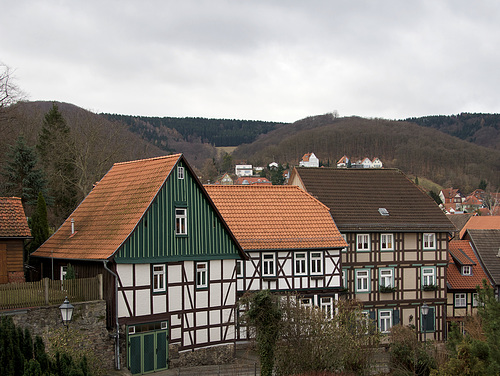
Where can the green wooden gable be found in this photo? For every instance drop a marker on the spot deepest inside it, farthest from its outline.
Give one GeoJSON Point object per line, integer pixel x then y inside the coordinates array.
{"type": "Point", "coordinates": [155, 239]}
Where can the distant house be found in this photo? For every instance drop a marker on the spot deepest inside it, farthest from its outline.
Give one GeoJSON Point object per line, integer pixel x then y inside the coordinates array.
{"type": "Point", "coordinates": [471, 204]}
{"type": "Point", "coordinates": [150, 228]}
{"type": "Point", "coordinates": [377, 163]}
{"type": "Point", "coordinates": [309, 160]}
{"type": "Point", "coordinates": [273, 165]}
{"type": "Point", "coordinates": [343, 162]}
{"type": "Point", "coordinates": [463, 275]}
{"type": "Point", "coordinates": [14, 231]}
{"type": "Point", "coordinates": [251, 181]}
{"type": "Point", "coordinates": [365, 163]}
{"type": "Point", "coordinates": [225, 180]}
{"type": "Point", "coordinates": [397, 254]}
{"type": "Point", "coordinates": [243, 170]}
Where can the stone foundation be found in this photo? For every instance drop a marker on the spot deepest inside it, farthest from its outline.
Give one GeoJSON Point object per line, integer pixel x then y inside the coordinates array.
{"type": "Point", "coordinates": [222, 354]}
{"type": "Point", "coordinates": [88, 328]}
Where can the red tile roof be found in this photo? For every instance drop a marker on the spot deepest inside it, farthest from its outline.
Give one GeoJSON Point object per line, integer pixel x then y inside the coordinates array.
{"type": "Point", "coordinates": [275, 217]}
{"type": "Point", "coordinates": [481, 223]}
{"type": "Point", "coordinates": [111, 211]}
{"type": "Point", "coordinates": [461, 253]}
{"type": "Point", "coordinates": [13, 223]}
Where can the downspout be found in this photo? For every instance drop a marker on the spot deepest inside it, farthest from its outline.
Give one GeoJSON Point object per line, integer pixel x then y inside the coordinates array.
{"type": "Point", "coordinates": [117, 335]}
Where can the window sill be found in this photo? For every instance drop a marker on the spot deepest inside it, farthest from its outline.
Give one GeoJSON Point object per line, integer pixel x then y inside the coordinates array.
{"type": "Point", "coordinates": [270, 278]}
{"type": "Point", "coordinates": [317, 277]}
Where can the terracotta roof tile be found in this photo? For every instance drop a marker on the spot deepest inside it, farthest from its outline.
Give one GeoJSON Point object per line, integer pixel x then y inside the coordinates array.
{"type": "Point", "coordinates": [354, 197]}
{"type": "Point", "coordinates": [481, 223]}
{"type": "Point", "coordinates": [275, 217]}
{"type": "Point", "coordinates": [461, 253]}
{"type": "Point", "coordinates": [13, 223]}
{"type": "Point", "coordinates": [111, 211]}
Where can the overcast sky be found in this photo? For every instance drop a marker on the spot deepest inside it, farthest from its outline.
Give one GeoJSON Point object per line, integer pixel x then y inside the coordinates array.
{"type": "Point", "coordinates": [264, 60]}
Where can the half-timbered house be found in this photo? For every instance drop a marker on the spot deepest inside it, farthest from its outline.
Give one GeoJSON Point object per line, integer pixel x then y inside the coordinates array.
{"type": "Point", "coordinates": [290, 238]}
{"type": "Point", "coordinates": [14, 231]}
{"type": "Point", "coordinates": [168, 257]}
{"type": "Point", "coordinates": [464, 275]}
{"type": "Point", "coordinates": [398, 243]}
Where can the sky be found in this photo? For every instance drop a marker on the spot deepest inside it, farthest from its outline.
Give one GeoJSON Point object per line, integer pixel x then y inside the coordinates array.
{"type": "Point", "coordinates": [275, 60]}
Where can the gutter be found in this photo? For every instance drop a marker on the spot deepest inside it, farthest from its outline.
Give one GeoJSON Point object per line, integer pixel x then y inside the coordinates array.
{"type": "Point", "coordinates": [117, 335]}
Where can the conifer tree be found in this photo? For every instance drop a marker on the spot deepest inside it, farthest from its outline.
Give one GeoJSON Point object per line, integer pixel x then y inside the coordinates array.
{"type": "Point", "coordinates": [23, 178]}
{"type": "Point", "coordinates": [56, 149]}
{"type": "Point", "coordinates": [39, 224]}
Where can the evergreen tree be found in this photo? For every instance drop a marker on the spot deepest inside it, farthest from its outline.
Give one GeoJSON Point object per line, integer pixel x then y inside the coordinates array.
{"type": "Point", "coordinates": [39, 224]}
{"type": "Point", "coordinates": [23, 178]}
{"type": "Point", "coordinates": [483, 184]}
{"type": "Point", "coordinates": [56, 149]}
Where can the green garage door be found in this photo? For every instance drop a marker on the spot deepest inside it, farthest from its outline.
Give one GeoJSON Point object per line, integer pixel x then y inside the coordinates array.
{"type": "Point", "coordinates": [147, 347]}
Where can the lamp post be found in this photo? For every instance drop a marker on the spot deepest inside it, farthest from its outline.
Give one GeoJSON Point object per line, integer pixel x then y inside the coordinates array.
{"type": "Point", "coordinates": [425, 310]}
{"type": "Point", "coordinates": [66, 312]}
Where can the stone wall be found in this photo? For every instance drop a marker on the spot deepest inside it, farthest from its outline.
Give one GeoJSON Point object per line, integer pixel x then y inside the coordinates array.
{"type": "Point", "coordinates": [222, 354]}
{"type": "Point", "coordinates": [87, 328]}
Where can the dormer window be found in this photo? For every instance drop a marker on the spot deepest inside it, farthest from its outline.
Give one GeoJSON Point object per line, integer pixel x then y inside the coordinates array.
{"type": "Point", "coordinates": [466, 270]}
{"type": "Point", "coordinates": [180, 173]}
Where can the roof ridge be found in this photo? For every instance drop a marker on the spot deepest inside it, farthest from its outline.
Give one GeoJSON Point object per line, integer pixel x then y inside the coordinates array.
{"type": "Point", "coordinates": [177, 155]}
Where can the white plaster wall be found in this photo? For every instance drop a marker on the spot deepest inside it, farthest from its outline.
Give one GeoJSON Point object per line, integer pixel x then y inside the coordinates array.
{"type": "Point", "coordinates": [215, 294]}
{"type": "Point", "coordinates": [202, 336]}
{"type": "Point", "coordinates": [202, 297]}
{"type": "Point", "coordinates": [122, 308]}
{"type": "Point", "coordinates": [125, 273]}
{"type": "Point", "coordinates": [159, 303]}
{"type": "Point", "coordinates": [175, 334]}
{"type": "Point", "coordinates": [174, 273]}
{"type": "Point", "coordinates": [214, 269]}
{"type": "Point", "coordinates": [142, 274]}
{"type": "Point", "coordinates": [214, 317]}
{"type": "Point", "coordinates": [175, 298]}
{"type": "Point", "coordinates": [215, 334]}
{"type": "Point", "coordinates": [228, 268]}
{"type": "Point", "coordinates": [143, 305]}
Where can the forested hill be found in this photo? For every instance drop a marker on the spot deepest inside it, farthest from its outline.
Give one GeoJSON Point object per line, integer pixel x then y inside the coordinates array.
{"type": "Point", "coordinates": [218, 132]}
{"type": "Point", "coordinates": [417, 151]}
{"type": "Point", "coordinates": [481, 129]}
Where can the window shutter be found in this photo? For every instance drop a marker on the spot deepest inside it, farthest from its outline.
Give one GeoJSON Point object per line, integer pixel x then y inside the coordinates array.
{"type": "Point", "coordinates": [395, 317]}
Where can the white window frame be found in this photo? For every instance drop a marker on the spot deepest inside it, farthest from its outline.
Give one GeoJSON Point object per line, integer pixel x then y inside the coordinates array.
{"type": "Point", "coordinates": [306, 302]}
{"type": "Point", "coordinates": [326, 305]}
{"type": "Point", "coordinates": [362, 280]}
{"type": "Point", "coordinates": [387, 242]}
{"type": "Point", "coordinates": [475, 299]}
{"type": "Point", "coordinates": [345, 238]}
{"type": "Point", "coordinates": [316, 263]}
{"type": "Point", "coordinates": [159, 277]}
{"type": "Point", "coordinates": [181, 221]}
{"type": "Point", "coordinates": [460, 300]}
{"type": "Point", "coordinates": [428, 278]}
{"type": "Point", "coordinates": [385, 274]}
{"type": "Point", "coordinates": [180, 172]}
{"type": "Point", "coordinates": [466, 270]}
{"type": "Point", "coordinates": [385, 320]}
{"type": "Point", "coordinates": [201, 275]}
{"type": "Point", "coordinates": [344, 278]}
{"type": "Point", "coordinates": [240, 265]}
{"type": "Point", "coordinates": [269, 264]}
{"type": "Point", "coordinates": [300, 263]}
{"type": "Point", "coordinates": [363, 242]}
{"type": "Point", "coordinates": [64, 271]}
{"type": "Point", "coordinates": [429, 240]}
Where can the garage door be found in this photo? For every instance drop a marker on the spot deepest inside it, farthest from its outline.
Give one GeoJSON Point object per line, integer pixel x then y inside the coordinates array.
{"type": "Point", "coordinates": [148, 347]}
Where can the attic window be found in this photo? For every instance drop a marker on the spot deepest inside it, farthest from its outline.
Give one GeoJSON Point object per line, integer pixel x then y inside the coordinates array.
{"type": "Point", "coordinates": [383, 211]}
{"type": "Point", "coordinates": [466, 270]}
{"type": "Point", "coordinates": [180, 173]}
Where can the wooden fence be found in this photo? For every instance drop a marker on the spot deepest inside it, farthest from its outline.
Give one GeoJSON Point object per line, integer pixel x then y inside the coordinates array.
{"type": "Point", "coordinates": [49, 292]}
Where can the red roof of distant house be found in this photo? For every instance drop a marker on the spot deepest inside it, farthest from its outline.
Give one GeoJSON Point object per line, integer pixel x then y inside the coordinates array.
{"type": "Point", "coordinates": [344, 159]}
{"type": "Point", "coordinates": [306, 157]}
{"type": "Point", "coordinates": [472, 200]}
{"type": "Point", "coordinates": [481, 223]}
{"type": "Point", "coordinates": [13, 223]}
{"type": "Point", "coordinates": [461, 253]}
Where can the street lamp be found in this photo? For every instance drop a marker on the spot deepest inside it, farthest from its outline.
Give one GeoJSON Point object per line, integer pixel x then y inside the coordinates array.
{"type": "Point", "coordinates": [66, 312]}
{"type": "Point", "coordinates": [425, 310]}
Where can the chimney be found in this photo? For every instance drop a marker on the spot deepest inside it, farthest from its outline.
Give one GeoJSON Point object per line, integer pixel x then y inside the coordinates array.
{"type": "Point", "coordinates": [72, 226]}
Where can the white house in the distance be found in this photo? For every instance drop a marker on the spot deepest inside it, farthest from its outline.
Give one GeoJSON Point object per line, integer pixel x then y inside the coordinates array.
{"type": "Point", "coordinates": [309, 160]}
{"type": "Point", "coordinates": [362, 163]}
{"type": "Point", "coordinates": [243, 170]}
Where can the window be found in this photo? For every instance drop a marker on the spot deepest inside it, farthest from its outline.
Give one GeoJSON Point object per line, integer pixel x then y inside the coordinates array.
{"type": "Point", "coordinates": [362, 281]}
{"type": "Point", "coordinates": [158, 278]}
{"type": "Point", "coordinates": [345, 238]}
{"type": "Point", "coordinates": [201, 275]}
{"type": "Point", "coordinates": [306, 302]}
{"type": "Point", "coordinates": [460, 300]}
{"type": "Point", "coordinates": [300, 263]}
{"type": "Point", "coordinates": [239, 269]}
{"type": "Point", "coordinates": [363, 242]}
{"type": "Point", "coordinates": [428, 276]}
{"type": "Point", "coordinates": [429, 241]}
{"type": "Point", "coordinates": [344, 278]}
{"type": "Point", "coordinates": [385, 321]}
{"type": "Point", "coordinates": [181, 221]}
{"type": "Point", "coordinates": [316, 263]}
{"type": "Point", "coordinates": [475, 299]}
{"type": "Point", "coordinates": [180, 173]}
{"type": "Point", "coordinates": [386, 242]}
{"type": "Point", "coordinates": [327, 306]}
{"type": "Point", "coordinates": [386, 278]}
{"type": "Point", "coordinates": [64, 271]}
{"type": "Point", "coordinates": [268, 264]}
{"type": "Point", "coordinates": [466, 270]}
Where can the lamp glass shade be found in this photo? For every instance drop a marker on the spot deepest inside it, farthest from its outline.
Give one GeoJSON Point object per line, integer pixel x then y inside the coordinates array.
{"type": "Point", "coordinates": [66, 311]}
{"type": "Point", "coordinates": [425, 309]}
